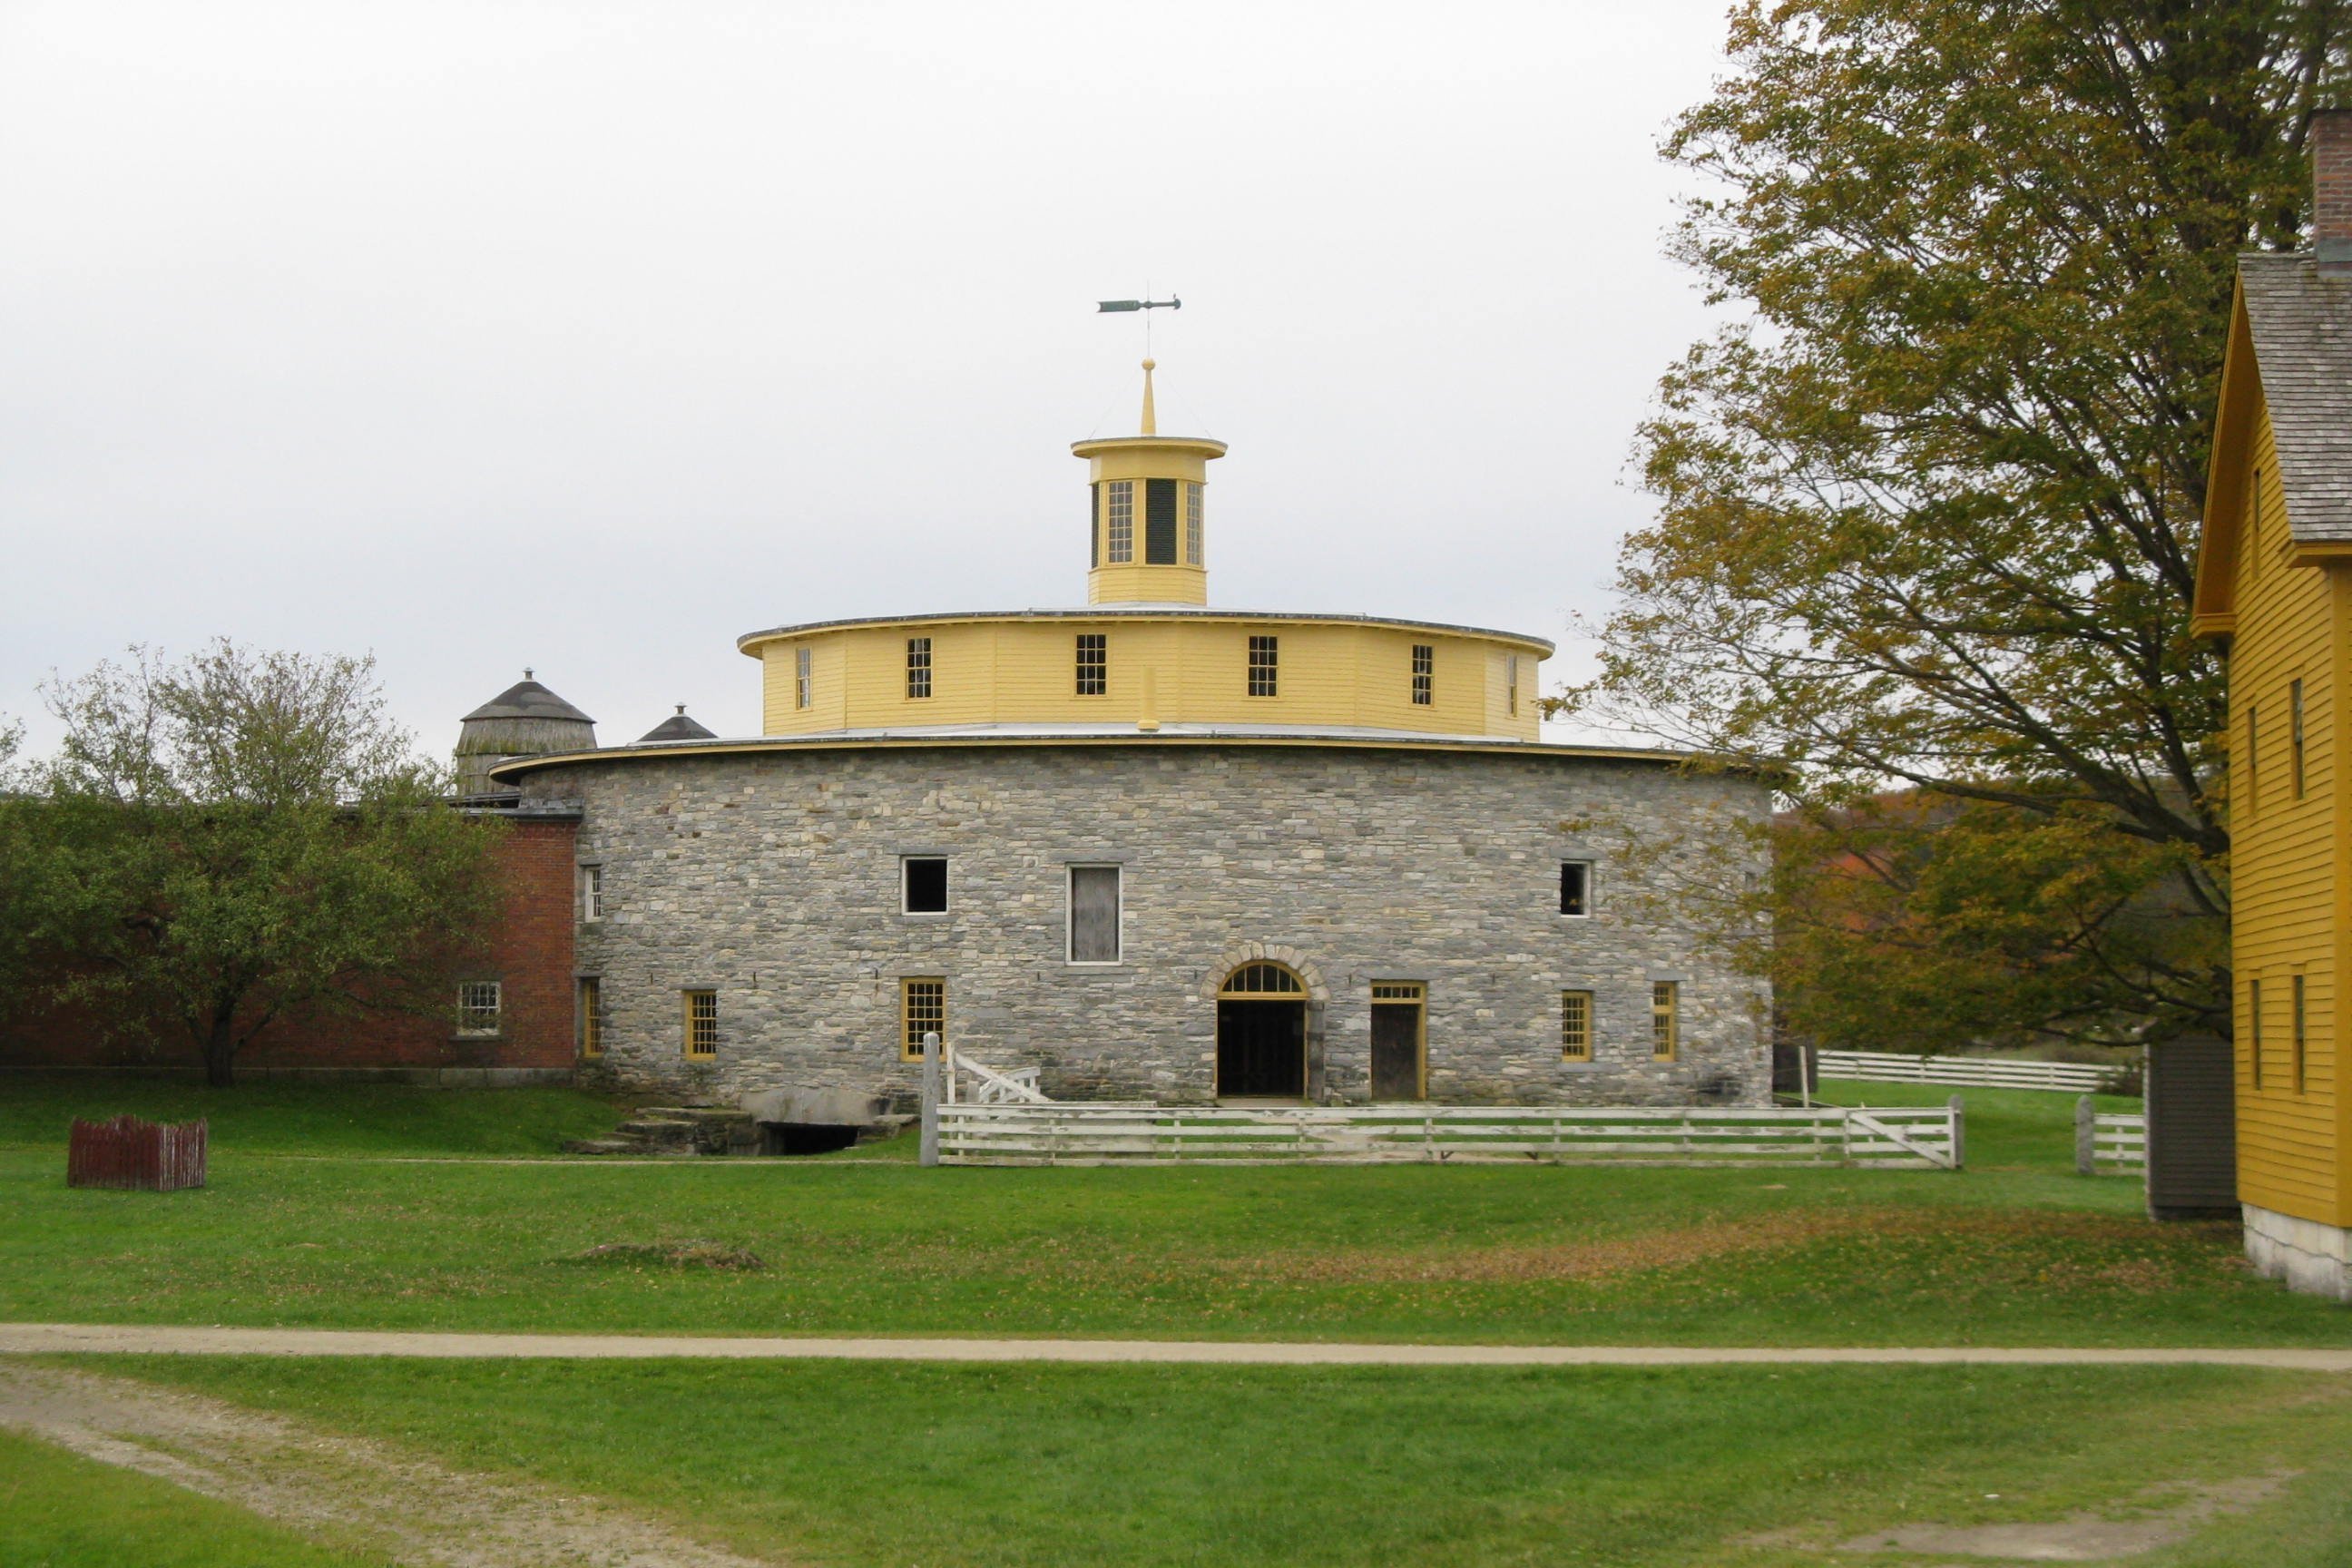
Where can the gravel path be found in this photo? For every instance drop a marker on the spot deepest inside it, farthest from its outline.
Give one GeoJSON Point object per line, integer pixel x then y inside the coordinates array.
{"type": "Point", "coordinates": [413, 1509]}
{"type": "Point", "coordinates": [49, 1339]}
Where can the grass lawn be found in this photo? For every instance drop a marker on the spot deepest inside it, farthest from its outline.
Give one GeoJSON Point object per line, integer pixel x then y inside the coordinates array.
{"type": "Point", "coordinates": [862, 1464]}
{"type": "Point", "coordinates": [60, 1511]}
{"type": "Point", "coordinates": [275, 1116]}
{"type": "Point", "coordinates": [2015, 1250]}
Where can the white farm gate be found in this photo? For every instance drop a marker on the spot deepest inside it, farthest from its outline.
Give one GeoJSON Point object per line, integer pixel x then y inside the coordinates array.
{"type": "Point", "coordinates": [2109, 1142]}
{"type": "Point", "coordinates": [1978, 1072]}
{"type": "Point", "coordinates": [1077, 1132]}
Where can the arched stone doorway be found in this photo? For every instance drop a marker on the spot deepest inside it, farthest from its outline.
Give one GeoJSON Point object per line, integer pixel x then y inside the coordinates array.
{"type": "Point", "coordinates": [1261, 1032]}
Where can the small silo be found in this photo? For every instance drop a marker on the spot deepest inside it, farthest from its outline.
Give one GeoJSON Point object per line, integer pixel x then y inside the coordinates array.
{"type": "Point", "coordinates": [526, 719]}
{"type": "Point", "coordinates": [677, 727]}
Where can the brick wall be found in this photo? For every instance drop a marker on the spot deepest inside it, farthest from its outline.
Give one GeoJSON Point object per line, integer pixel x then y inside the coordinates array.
{"type": "Point", "coordinates": [530, 953]}
{"type": "Point", "coordinates": [2330, 140]}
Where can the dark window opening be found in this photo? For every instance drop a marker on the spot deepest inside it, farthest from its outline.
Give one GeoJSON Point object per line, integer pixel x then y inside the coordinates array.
{"type": "Point", "coordinates": [1576, 886]}
{"type": "Point", "coordinates": [1160, 522]}
{"type": "Point", "coordinates": [926, 884]}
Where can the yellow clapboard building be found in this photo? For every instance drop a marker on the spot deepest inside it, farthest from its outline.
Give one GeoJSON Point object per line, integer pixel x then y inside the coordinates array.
{"type": "Point", "coordinates": [2274, 581]}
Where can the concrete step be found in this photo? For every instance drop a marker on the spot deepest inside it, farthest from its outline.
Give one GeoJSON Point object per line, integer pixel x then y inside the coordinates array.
{"type": "Point", "coordinates": [602, 1146]}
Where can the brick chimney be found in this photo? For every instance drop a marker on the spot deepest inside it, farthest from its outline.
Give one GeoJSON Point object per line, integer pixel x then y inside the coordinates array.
{"type": "Point", "coordinates": [2329, 138]}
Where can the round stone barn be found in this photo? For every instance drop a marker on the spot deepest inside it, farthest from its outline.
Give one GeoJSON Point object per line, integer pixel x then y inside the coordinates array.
{"type": "Point", "coordinates": [1156, 849]}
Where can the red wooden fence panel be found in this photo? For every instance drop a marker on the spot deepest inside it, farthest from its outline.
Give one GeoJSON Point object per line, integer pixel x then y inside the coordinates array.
{"type": "Point", "coordinates": [141, 1156]}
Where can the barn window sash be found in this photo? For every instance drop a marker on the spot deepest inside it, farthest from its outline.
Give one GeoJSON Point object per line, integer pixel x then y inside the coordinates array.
{"type": "Point", "coordinates": [701, 1025]}
{"type": "Point", "coordinates": [1576, 1025]}
{"type": "Point", "coordinates": [1095, 906]}
{"type": "Point", "coordinates": [922, 1009]}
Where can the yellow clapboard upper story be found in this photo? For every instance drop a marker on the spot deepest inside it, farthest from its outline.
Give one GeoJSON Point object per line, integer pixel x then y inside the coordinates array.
{"type": "Point", "coordinates": [1147, 653]}
{"type": "Point", "coordinates": [2275, 579]}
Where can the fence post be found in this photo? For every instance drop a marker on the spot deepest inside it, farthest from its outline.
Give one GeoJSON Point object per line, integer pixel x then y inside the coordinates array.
{"type": "Point", "coordinates": [1960, 1133]}
{"type": "Point", "coordinates": [2086, 1139]}
{"type": "Point", "coordinates": [929, 1154]}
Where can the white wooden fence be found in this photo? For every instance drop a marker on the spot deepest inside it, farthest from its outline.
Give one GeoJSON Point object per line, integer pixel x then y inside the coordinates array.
{"type": "Point", "coordinates": [1076, 1132]}
{"type": "Point", "coordinates": [988, 1086]}
{"type": "Point", "coordinates": [2109, 1142]}
{"type": "Point", "coordinates": [1981, 1072]}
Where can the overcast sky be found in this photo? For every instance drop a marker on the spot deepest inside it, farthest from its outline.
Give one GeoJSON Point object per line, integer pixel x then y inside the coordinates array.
{"type": "Point", "coordinates": [589, 336]}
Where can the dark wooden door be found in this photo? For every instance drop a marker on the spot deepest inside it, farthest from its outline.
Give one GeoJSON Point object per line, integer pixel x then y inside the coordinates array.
{"type": "Point", "coordinates": [1262, 1050]}
{"type": "Point", "coordinates": [1396, 1050]}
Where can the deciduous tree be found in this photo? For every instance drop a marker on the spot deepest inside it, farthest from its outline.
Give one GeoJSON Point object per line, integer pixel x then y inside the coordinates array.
{"type": "Point", "coordinates": [1928, 505]}
{"type": "Point", "coordinates": [248, 833]}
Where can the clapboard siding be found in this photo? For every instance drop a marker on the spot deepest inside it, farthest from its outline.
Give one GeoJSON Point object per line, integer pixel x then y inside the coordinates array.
{"type": "Point", "coordinates": [1020, 671]}
{"type": "Point", "coordinates": [2287, 880]}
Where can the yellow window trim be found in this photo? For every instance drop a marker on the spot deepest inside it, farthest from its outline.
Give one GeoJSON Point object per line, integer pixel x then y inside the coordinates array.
{"type": "Point", "coordinates": [1665, 1020]}
{"type": "Point", "coordinates": [933, 1017]}
{"type": "Point", "coordinates": [1576, 1025]}
{"type": "Point", "coordinates": [700, 1017]}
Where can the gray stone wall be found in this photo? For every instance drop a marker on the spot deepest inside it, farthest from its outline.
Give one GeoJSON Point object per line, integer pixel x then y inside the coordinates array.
{"type": "Point", "coordinates": [773, 878]}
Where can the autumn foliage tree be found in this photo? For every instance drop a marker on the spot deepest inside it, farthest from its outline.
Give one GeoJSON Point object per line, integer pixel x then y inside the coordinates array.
{"type": "Point", "coordinates": [1928, 504]}
{"type": "Point", "coordinates": [225, 839]}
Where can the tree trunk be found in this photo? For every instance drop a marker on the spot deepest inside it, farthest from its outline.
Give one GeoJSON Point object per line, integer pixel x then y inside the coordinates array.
{"type": "Point", "coordinates": [220, 1053]}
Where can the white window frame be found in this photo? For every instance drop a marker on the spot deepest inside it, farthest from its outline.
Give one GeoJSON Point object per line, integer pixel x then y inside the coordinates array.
{"type": "Point", "coordinates": [905, 900]}
{"type": "Point", "coordinates": [592, 894]}
{"type": "Point", "coordinates": [469, 1006]}
{"type": "Point", "coordinates": [804, 676]}
{"type": "Point", "coordinates": [1193, 522]}
{"type": "Point", "coordinates": [1118, 523]}
{"type": "Point", "coordinates": [1070, 914]}
{"type": "Point", "coordinates": [1590, 902]}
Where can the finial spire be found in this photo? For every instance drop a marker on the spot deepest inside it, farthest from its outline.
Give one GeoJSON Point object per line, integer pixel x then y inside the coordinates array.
{"type": "Point", "coordinates": [1150, 420]}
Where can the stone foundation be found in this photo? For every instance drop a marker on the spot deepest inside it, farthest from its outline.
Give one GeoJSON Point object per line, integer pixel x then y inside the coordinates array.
{"type": "Point", "coordinates": [2308, 1257]}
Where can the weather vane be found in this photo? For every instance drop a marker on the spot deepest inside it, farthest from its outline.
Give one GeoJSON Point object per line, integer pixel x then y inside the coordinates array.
{"type": "Point", "coordinates": [1168, 304]}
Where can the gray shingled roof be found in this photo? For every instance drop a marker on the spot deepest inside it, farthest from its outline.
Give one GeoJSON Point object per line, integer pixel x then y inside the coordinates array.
{"type": "Point", "coordinates": [2301, 327]}
{"type": "Point", "coordinates": [677, 727]}
{"type": "Point", "coordinates": [528, 699]}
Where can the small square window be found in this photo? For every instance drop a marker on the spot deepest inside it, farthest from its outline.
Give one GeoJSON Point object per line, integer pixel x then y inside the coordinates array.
{"type": "Point", "coordinates": [1576, 886]}
{"type": "Point", "coordinates": [1094, 664]}
{"type": "Point", "coordinates": [922, 1010]}
{"type": "Point", "coordinates": [479, 1004]}
{"type": "Point", "coordinates": [1576, 1025]}
{"type": "Point", "coordinates": [1665, 1020]}
{"type": "Point", "coordinates": [924, 882]}
{"type": "Point", "coordinates": [591, 892]}
{"type": "Point", "coordinates": [702, 1024]}
{"type": "Point", "coordinates": [918, 666]}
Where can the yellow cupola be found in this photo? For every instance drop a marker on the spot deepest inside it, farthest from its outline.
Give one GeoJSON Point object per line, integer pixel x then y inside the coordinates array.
{"type": "Point", "coordinates": [1145, 509]}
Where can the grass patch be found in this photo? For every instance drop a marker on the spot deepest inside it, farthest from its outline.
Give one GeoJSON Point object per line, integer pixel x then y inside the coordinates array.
{"type": "Point", "coordinates": [60, 1511]}
{"type": "Point", "coordinates": [2015, 1250]}
{"type": "Point", "coordinates": [666, 1254]}
{"type": "Point", "coordinates": [281, 1116]}
{"type": "Point", "coordinates": [1008, 1465]}
{"type": "Point", "coordinates": [1491, 1253]}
